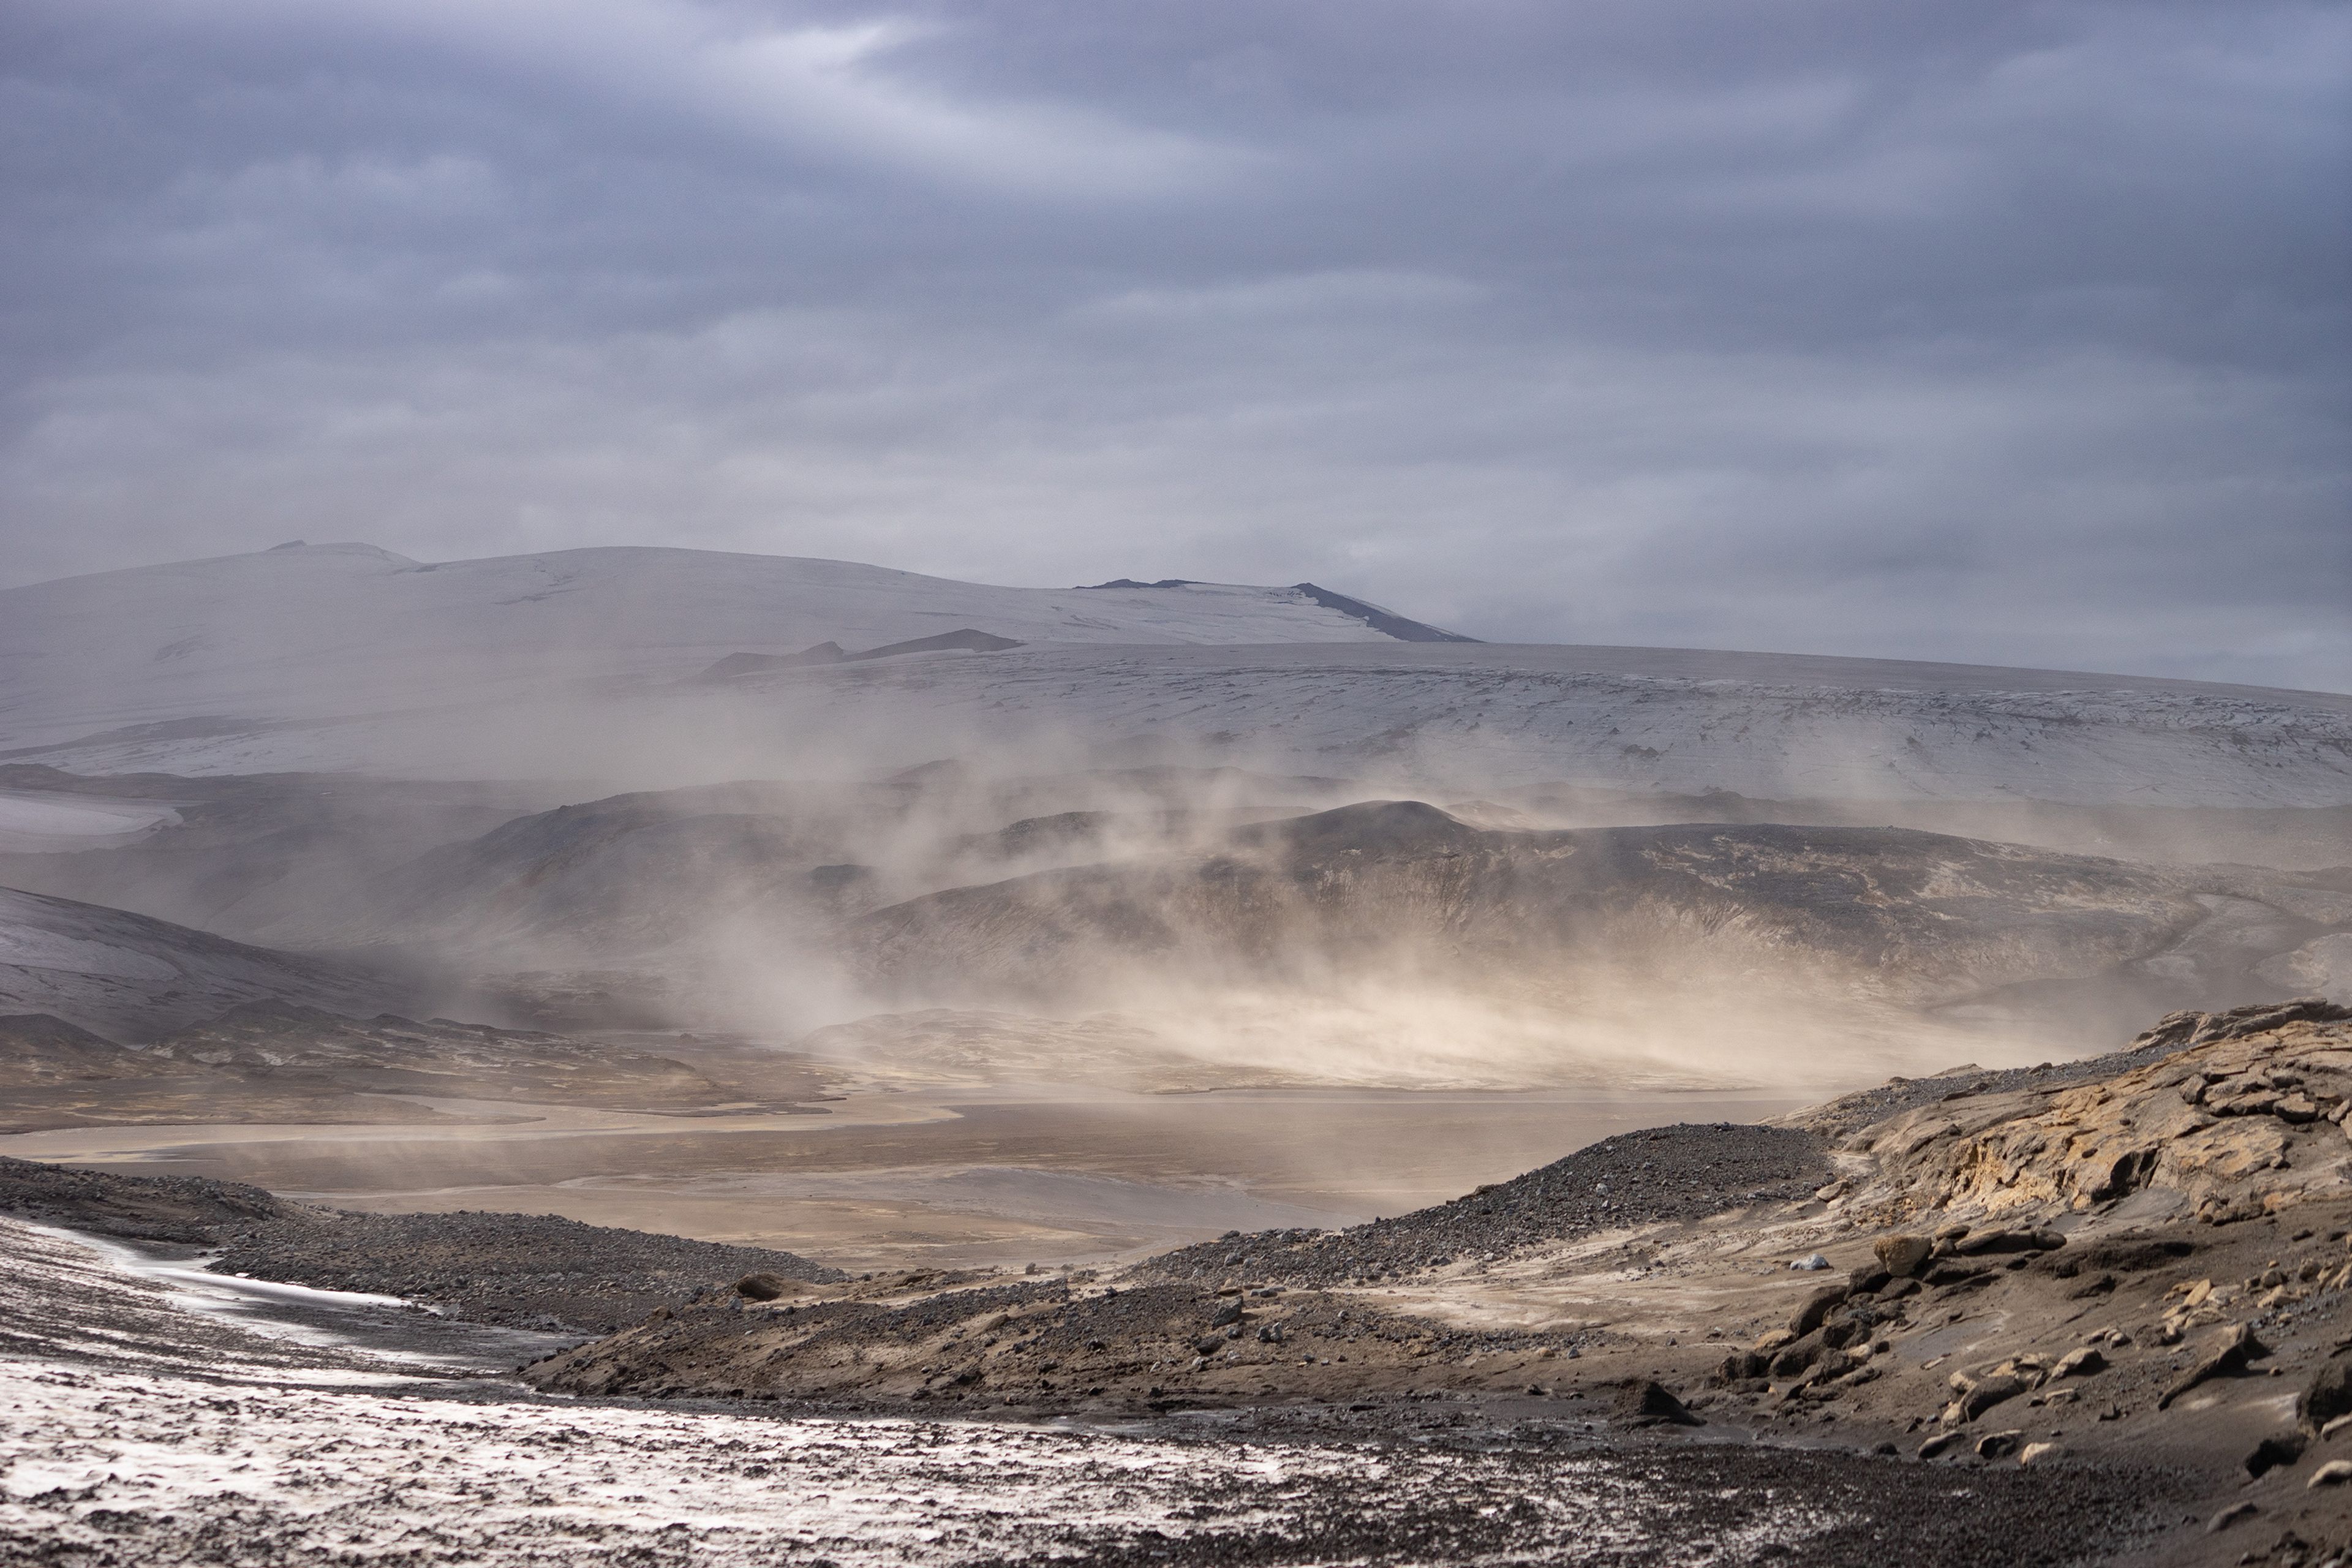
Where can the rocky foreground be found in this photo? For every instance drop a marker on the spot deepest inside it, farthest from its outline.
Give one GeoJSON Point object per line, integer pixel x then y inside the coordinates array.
{"type": "Point", "coordinates": [2089, 1312]}
{"type": "Point", "coordinates": [2138, 1261]}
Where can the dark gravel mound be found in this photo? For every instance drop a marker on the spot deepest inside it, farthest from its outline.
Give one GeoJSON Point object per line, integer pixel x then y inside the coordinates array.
{"type": "Point", "coordinates": [520, 1271]}
{"type": "Point", "coordinates": [1680, 1172]}
{"type": "Point", "coordinates": [185, 1209]}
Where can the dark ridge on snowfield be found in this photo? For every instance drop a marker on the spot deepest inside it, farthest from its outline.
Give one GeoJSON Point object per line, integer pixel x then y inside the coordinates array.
{"type": "Point", "coordinates": [736, 664]}
{"type": "Point", "coordinates": [1685, 1171]}
{"type": "Point", "coordinates": [1379, 620]}
{"type": "Point", "coordinates": [967, 640]}
{"type": "Point", "coordinates": [1387, 623]}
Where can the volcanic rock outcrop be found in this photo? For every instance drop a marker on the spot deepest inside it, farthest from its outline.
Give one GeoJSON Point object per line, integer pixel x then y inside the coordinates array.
{"type": "Point", "coordinates": [2236, 1114]}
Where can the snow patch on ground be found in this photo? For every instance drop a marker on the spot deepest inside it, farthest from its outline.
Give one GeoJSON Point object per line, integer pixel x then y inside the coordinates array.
{"type": "Point", "coordinates": [162, 1436]}
{"type": "Point", "coordinates": [37, 823]}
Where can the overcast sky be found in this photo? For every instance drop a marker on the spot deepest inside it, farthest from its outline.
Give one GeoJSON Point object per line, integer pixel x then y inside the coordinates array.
{"type": "Point", "coordinates": [2014, 334]}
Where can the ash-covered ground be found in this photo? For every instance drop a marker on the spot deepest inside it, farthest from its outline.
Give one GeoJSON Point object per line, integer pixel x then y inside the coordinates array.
{"type": "Point", "coordinates": [143, 1433]}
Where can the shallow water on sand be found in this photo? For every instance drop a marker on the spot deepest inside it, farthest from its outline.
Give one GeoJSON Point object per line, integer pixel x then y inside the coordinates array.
{"type": "Point", "coordinates": [963, 1179]}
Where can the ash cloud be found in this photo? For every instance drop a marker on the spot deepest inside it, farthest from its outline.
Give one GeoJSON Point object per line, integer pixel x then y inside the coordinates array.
{"type": "Point", "coordinates": [2014, 333]}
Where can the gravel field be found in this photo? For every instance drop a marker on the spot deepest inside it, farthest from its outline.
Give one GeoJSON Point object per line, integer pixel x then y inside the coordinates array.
{"type": "Point", "coordinates": [140, 1434]}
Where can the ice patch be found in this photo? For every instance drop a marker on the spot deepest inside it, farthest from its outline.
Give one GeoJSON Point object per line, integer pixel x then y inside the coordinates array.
{"type": "Point", "coordinates": [33, 823]}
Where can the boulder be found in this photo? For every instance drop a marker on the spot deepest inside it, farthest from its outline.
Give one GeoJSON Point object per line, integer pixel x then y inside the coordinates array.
{"type": "Point", "coordinates": [2226, 1356]}
{"type": "Point", "coordinates": [1840, 1332]}
{"type": "Point", "coordinates": [2272, 1452]}
{"type": "Point", "coordinates": [2334, 1473]}
{"type": "Point", "coordinates": [761, 1287]}
{"type": "Point", "coordinates": [2083, 1362]}
{"type": "Point", "coordinates": [1649, 1402]}
{"type": "Point", "coordinates": [1973, 1396]}
{"type": "Point", "coordinates": [1987, 1242]}
{"type": "Point", "coordinates": [2040, 1453]}
{"type": "Point", "coordinates": [1903, 1255]}
{"type": "Point", "coordinates": [1816, 1309]}
{"type": "Point", "coordinates": [2000, 1445]}
{"type": "Point", "coordinates": [1229, 1311]}
{"type": "Point", "coordinates": [2229, 1516]}
{"type": "Point", "coordinates": [2329, 1396]}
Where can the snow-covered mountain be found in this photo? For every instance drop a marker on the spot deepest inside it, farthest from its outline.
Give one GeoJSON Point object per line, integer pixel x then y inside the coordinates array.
{"type": "Point", "coordinates": [304, 632]}
{"type": "Point", "coordinates": [622, 668]}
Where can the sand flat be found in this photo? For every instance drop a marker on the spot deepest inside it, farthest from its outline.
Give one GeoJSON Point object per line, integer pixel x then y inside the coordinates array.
{"type": "Point", "coordinates": [958, 1178]}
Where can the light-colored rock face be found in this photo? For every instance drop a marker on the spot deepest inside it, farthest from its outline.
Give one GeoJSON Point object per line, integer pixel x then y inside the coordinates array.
{"type": "Point", "coordinates": [2245, 1124]}
{"type": "Point", "coordinates": [2322, 967]}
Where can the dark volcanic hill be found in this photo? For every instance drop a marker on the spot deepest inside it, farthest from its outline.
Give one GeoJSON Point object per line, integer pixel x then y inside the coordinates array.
{"type": "Point", "coordinates": [129, 977]}
{"type": "Point", "coordinates": [631, 873]}
{"type": "Point", "coordinates": [1913, 917]}
{"type": "Point", "coordinates": [38, 1050]}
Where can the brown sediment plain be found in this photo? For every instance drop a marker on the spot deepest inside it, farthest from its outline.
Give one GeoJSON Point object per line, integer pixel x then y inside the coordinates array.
{"type": "Point", "coordinates": [2141, 1260]}
{"type": "Point", "coordinates": [925, 1178]}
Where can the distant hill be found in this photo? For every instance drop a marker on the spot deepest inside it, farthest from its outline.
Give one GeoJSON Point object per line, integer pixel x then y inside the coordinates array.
{"type": "Point", "coordinates": [650, 669]}
{"type": "Point", "coordinates": [305, 631]}
{"type": "Point", "coordinates": [129, 977]}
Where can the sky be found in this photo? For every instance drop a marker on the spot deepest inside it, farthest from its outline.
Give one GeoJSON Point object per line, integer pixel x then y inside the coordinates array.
{"type": "Point", "coordinates": [2002, 332]}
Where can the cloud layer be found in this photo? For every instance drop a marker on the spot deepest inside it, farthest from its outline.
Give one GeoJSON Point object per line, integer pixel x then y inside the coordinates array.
{"type": "Point", "coordinates": [2009, 332]}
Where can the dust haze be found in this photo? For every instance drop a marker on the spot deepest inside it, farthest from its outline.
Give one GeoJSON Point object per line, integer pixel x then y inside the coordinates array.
{"type": "Point", "coordinates": [805, 862]}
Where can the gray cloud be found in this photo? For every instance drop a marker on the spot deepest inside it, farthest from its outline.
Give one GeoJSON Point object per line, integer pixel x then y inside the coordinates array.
{"type": "Point", "coordinates": [2003, 333]}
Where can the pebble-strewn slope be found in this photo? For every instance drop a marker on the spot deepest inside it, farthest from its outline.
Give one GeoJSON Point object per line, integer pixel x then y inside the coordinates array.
{"type": "Point", "coordinates": [1679, 1172]}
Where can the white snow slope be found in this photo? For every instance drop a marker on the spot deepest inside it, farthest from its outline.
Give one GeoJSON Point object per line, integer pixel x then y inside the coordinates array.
{"type": "Point", "coordinates": [578, 665]}
{"type": "Point", "coordinates": [310, 630]}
